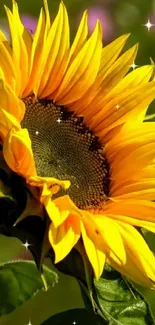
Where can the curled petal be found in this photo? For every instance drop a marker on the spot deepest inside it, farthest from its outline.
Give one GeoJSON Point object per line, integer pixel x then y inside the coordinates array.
{"type": "Point", "coordinates": [7, 122]}
{"type": "Point", "coordinates": [17, 152]}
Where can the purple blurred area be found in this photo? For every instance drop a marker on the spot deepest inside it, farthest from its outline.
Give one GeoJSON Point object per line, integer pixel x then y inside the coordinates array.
{"type": "Point", "coordinates": [29, 22]}
{"type": "Point", "coordinates": [101, 14]}
{"type": "Point", "coordinates": [94, 14]}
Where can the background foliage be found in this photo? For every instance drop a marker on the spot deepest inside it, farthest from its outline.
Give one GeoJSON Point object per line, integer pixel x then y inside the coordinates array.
{"type": "Point", "coordinates": [117, 17]}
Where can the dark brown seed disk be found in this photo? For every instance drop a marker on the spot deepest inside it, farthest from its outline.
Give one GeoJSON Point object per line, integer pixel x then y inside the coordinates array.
{"type": "Point", "coordinates": [66, 149]}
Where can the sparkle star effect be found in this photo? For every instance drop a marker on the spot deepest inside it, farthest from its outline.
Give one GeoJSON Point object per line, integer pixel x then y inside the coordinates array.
{"type": "Point", "coordinates": [37, 132]}
{"type": "Point", "coordinates": [74, 323]}
{"type": "Point", "coordinates": [117, 106]}
{"type": "Point", "coordinates": [133, 66]}
{"type": "Point", "coordinates": [26, 245]}
{"type": "Point", "coordinates": [148, 25]}
{"type": "Point", "coordinates": [58, 120]}
{"type": "Point", "coordinates": [29, 323]}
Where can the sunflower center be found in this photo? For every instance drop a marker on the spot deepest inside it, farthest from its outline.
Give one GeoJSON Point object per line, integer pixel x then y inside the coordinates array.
{"type": "Point", "coordinates": [66, 149]}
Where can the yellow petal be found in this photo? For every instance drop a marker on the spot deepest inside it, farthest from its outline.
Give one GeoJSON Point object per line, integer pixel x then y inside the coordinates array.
{"type": "Point", "coordinates": [65, 237]}
{"type": "Point", "coordinates": [57, 217]}
{"type": "Point", "coordinates": [44, 54]}
{"type": "Point", "coordinates": [15, 43]}
{"type": "Point", "coordinates": [135, 160]}
{"type": "Point", "coordinates": [81, 73]}
{"type": "Point", "coordinates": [137, 209]}
{"type": "Point", "coordinates": [132, 135]}
{"type": "Point", "coordinates": [57, 48]}
{"type": "Point", "coordinates": [10, 102]}
{"type": "Point", "coordinates": [18, 153]}
{"type": "Point", "coordinates": [133, 79]}
{"type": "Point", "coordinates": [65, 206]}
{"type": "Point", "coordinates": [104, 85]}
{"type": "Point", "coordinates": [131, 103]}
{"type": "Point", "coordinates": [139, 254]}
{"type": "Point", "coordinates": [133, 222]}
{"type": "Point", "coordinates": [7, 122]}
{"type": "Point", "coordinates": [104, 233]}
{"type": "Point", "coordinates": [47, 15]}
{"type": "Point", "coordinates": [59, 210]}
{"type": "Point", "coordinates": [7, 66]}
{"type": "Point", "coordinates": [111, 236]}
{"type": "Point", "coordinates": [109, 55]}
{"type": "Point", "coordinates": [50, 181]}
{"type": "Point", "coordinates": [26, 39]}
{"type": "Point", "coordinates": [127, 270]}
{"type": "Point", "coordinates": [80, 37]}
{"type": "Point", "coordinates": [117, 71]}
{"type": "Point", "coordinates": [37, 53]}
{"type": "Point", "coordinates": [111, 52]}
{"type": "Point", "coordinates": [142, 190]}
{"type": "Point", "coordinates": [95, 254]}
{"type": "Point", "coordinates": [20, 52]}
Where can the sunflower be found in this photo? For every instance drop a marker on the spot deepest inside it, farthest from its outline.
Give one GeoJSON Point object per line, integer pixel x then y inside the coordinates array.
{"type": "Point", "coordinates": [71, 124]}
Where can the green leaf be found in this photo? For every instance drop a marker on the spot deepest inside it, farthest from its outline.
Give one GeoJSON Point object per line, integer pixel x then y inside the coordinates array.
{"type": "Point", "coordinates": [75, 316]}
{"type": "Point", "coordinates": [22, 215]}
{"type": "Point", "coordinates": [112, 297]}
{"type": "Point", "coordinates": [19, 281]}
{"type": "Point", "coordinates": [119, 301]}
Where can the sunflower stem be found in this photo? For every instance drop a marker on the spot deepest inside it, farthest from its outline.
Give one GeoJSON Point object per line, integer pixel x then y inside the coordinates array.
{"type": "Point", "coordinates": [44, 281]}
{"type": "Point", "coordinates": [80, 249]}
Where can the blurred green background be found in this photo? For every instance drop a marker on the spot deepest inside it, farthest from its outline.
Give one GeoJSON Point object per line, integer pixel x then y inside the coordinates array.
{"type": "Point", "coordinates": [117, 17]}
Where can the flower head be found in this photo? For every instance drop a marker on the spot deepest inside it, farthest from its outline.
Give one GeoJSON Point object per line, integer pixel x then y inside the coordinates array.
{"type": "Point", "coordinates": [71, 124]}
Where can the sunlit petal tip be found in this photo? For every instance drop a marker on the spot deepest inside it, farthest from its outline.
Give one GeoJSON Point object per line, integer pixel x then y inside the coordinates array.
{"type": "Point", "coordinates": [85, 15]}
{"type": "Point", "coordinates": [14, 7]}
{"type": "Point", "coordinates": [46, 5]}
{"type": "Point", "coordinates": [152, 62]}
{"type": "Point", "coordinates": [66, 184]}
{"type": "Point", "coordinates": [6, 8]}
{"type": "Point", "coordinates": [98, 29]}
{"type": "Point", "coordinates": [47, 13]}
{"type": "Point", "coordinates": [62, 3]}
{"type": "Point", "coordinates": [136, 46]}
{"type": "Point", "coordinates": [127, 35]}
{"type": "Point", "coordinates": [63, 8]}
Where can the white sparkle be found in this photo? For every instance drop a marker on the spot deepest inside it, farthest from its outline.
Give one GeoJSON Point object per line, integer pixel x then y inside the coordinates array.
{"type": "Point", "coordinates": [133, 66]}
{"type": "Point", "coordinates": [149, 25]}
{"type": "Point", "coordinates": [74, 323]}
{"type": "Point", "coordinates": [58, 120]}
{"type": "Point", "coordinates": [117, 106]}
{"type": "Point", "coordinates": [37, 132]}
{"type": "Point", "coordinates": [26, 245]}
{"type": "Point", "coordinates": [29, 323]}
